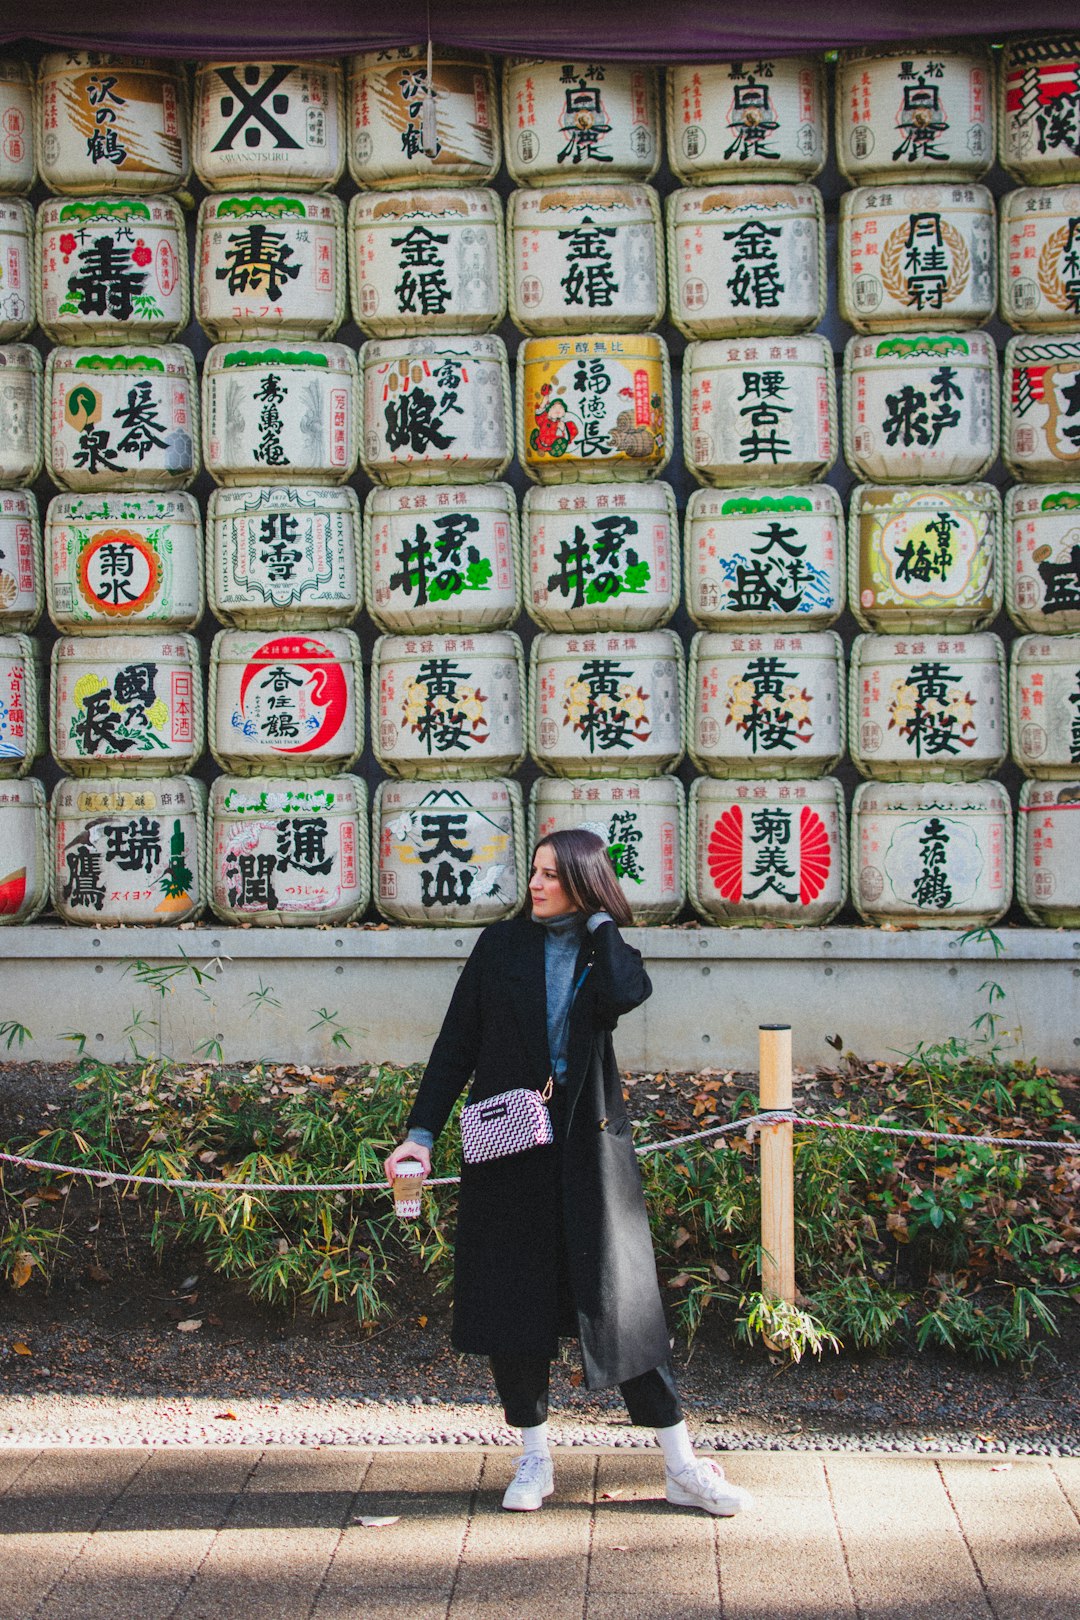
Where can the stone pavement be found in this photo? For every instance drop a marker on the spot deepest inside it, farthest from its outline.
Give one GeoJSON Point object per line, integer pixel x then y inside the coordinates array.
{"type": "Point", "coordinates": [253, 1533]}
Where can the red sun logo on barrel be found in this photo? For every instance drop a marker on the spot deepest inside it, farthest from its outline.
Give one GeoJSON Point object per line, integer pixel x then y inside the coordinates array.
{"type": "Point", "coordinates": [295, 692]}
{"type": "Point", "coordinates": [810, 851]}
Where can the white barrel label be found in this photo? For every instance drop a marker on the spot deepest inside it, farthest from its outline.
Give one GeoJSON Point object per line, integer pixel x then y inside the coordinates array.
{"type": "Point", "coordinates": [254, 120]}
{"type": "Point", "coordinates": [121, 560]}
{"type": "Point", "coordinates": [16, 127]}
{"type": "Point", "coordinates": [1043, 572]}
{"type": "Point", "coordinates": [291, 695]}
{"type": "Point", "coordinates": [108, 709]}
{"type": "Point", "coordinates": [576, 120]}
{"type": "Point", "coordinates": [288, 551]}
{"type": "Point", "coordinates": [1040, 257]}
{"type": "Point", "coordinates": [766, 704]}
{"type": "Point", "coordinates": [759, 410]}
{"type": "Point", "coordinates": [406, 129]}
{"type": "Point", "coordinates": [925, 554]}
{"type": "Point", "coordinates": [282, 414]}
{"type": "Point", "coordinates": [937, 852]}
{"type": "Point", "coordinates": [20, 414]}
{"type": "Point", "coordinates": [129, 852]}
{"type": "Point", "coordinates": [449, 852]}
{"type": "Point", "coordinates": [436, 409]}
{"type": "Point", "coordinates": [585, 259]}
{"type": "Point", "coordinates": [767, 851]}
{"type": "Point", "coordinates": [111, 267]}
{"type": "Point", "coordinates": [118, 418]}
{"type": "Point", "coordinates": [928, 706]}
{"type": "Point", "coordinates": [16, 258]}
{"type": "Point", "coordinates": [749, 120]}
{"type": "Point", "coordinates": [449, 703]}
{"type": "Point", "coordinates": [601, 556]}
{"type": "Point", "coordinates": [1042, 379]}
{"type": "Point", "coordinates": [112, 123]}
{"type": "Point", "coordinates": [746, 259]}
{"type": "Point", "coordinates": [917, 255]}
{"type": "Point", "coordinates": [18, 705]}
{"type": "Point", "coordinates": [295, 849]}
{"type": "Point", "coordinates": [443, 558]}
{"type": "Point", "coordinates": [270, 265]}
{"type": "Point", "coordinates": [912, 111]}
{"type": "Point", "coordinates": [426, 261]}
{"type": "Point", "coordinates": [20, 561]}
{"type": "Point", "coordinates": [758, 556]}
{"type": "Point", "coordinates": [921, 407]}
{"type": "Point", "coordinates": [1040, 112]}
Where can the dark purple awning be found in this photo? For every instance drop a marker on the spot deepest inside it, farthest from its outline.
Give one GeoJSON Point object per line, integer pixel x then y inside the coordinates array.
{"type": "Point", "coordinates": [694, 30]}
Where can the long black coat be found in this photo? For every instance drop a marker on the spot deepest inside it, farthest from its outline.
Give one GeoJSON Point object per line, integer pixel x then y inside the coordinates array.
{"type": "Point", "coordinates": [507, 1294]}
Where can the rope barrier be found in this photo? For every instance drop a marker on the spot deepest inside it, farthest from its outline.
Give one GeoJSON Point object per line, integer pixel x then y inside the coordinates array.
{"type": "Point", "coordinates": [106, 1178]}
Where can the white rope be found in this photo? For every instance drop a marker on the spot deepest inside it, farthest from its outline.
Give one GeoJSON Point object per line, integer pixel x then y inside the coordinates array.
{"type": "Point", "coordinates": [106, 1178]}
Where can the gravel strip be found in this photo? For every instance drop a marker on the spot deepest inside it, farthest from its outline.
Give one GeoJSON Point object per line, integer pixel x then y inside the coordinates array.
{"type": "Point", "coordinates": [48, 1420]}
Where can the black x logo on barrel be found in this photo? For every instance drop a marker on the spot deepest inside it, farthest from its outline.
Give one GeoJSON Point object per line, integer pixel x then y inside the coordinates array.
{"type": "Point", "coordinates": [255, 103]}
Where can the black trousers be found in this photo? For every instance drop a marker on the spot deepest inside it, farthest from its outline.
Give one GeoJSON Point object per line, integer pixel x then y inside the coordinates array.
{"type": "Point", "coordinates": [522, 1382]}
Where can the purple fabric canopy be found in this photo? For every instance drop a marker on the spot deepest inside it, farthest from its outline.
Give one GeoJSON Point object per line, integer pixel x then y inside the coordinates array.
{"type": "Point", "coordinates": [693, 30]}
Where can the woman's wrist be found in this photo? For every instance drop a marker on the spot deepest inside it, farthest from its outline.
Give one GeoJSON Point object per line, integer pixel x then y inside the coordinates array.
{"type": "Point", "coordinates": [420, 1137]}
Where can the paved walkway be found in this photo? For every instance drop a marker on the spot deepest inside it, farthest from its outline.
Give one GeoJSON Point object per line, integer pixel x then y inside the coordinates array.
{"type": "Point", "coordinates": [274, 1534]}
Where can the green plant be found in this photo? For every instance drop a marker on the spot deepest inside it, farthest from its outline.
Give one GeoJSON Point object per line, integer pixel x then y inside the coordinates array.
{"type": "Point", "coordinates": [14, 1033]}
{"type": "Point", "coordinates": [782, 1326]}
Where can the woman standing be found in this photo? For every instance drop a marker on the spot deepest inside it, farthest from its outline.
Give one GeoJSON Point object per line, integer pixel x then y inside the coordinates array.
{"type": "Point", "coordinates": [554, 1242]}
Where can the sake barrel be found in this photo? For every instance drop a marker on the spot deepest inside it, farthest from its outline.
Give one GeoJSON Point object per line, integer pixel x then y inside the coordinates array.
{"type": "Point", "coordinates": [914, 109]}
{"type": "Point", "coordinates": [1048, 853]}
{"type": "Point", "coordinates": [436, 410]}
{"type": "Point", "coordinates": [408, 129]}
{"type": "Point", "coordinates": [642, 825]}
{"type": "Point", "coordinates": [601, 556]}
{"type": "Point", "coordinates": [442, 558]}
{"type": "Point", "coordinates": [289, 852]}
{"type": "Point", "coordinates": [916, 256]}
{"type": "Point", "coordinates": [280, 123]}
{"type": "Point", "coordinates": [746, 259]}
{"type": "Point", "coordinates": [111, 123]}
{"type": "Point", "coordinates": [21, 740]}
{"type": "Point", "coordinates": [922, 407]}
{"type": "Point", "coordinates": [126, 705]}
{"type": "Point", "coordinates": [449, 853]}
{"type": "Point", "coordinates": [22, 592]}
{"type": "Point", "coordinates": [761, 853]}
{"type": "Point", "coordinates": [927, 707]}
{"type": "Point", "coordinates": [448, 706]}
{"type": "Point", "coordinates": [765, 704]}
{"type": "Point", "coordinates": [280, 413]}
{"type": "Point", "coordinates": [1044, 706]}
{"type": "Point", "coordinates": [757, 558]}
{"type": "Point", "coordinates": [925, 557]}
{"type": "Point", "coordinates": [585, 258]}
{"type": "Point", "coordinates": [284, 555]}
{"type": "Point", "coordinates": [123, 418]}
{"type": "Point", "coordinates": [594, 409]}
{"type": "Point", "coordinates": [583, 120]}
{"type": "Point", "coordinates": [759, 410]}
{"type": "Point", "coordinates": [758, 119]}
{"type": "Point", "coordinates": [1040, 258]}
{"type": "Point", "coordinates": [24, 851]}
{"type": "Point", "coordinates": [20, 414]}
{"type": "Point", "coordinates": [1041, 389]}
{"type": "Point", "coordinates": [16, 268]}
{"type": "Point", "coordinates": [1042, 557]}
{"type": "Point", "coordinates": [427, 260]}
{"type": "Point", "coordinates": [16, 127]}
{"type": "Point", "coordinates": [1039, 138]}
{"type": "Point", "coordinates": [286, 704]}
{"type": "Point", "coordinates": [112, 269]}
{"type": "Point", "coordinates": [124, 562]}
{"type": "Point", "coordinates": [270, 266]}
{"type": "Point", "coordinates": [606, 704]}
{"type": "Point", "coordinates": [129, 850]}
{"type": "Point", "coordinates": [931, 855]}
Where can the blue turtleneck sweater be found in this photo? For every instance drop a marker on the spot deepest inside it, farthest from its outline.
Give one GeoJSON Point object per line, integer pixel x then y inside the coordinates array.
{"type": "Point", "coordinates": [562, 942]}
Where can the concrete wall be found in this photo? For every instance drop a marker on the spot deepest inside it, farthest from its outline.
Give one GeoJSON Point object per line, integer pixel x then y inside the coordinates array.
{"type": "Point", "coordinates": [262, 991]}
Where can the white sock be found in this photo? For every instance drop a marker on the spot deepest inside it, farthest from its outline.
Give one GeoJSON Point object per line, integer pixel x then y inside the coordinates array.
{"type": "Point", "coordinates": [535, 1440]}
{"type": "Point", "coordinates": [675, 1444]}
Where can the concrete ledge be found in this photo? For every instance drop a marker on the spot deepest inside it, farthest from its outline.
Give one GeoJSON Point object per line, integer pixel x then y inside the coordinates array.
{"type": "Point", "coordinates": [283, 994]}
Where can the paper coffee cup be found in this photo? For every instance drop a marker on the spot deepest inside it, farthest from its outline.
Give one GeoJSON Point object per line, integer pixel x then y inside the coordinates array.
{"type": "Point", "coordinates": [407, 1183]}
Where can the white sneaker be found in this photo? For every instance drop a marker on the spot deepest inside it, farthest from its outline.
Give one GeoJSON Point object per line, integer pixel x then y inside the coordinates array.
{"type": "Point", "coordinates": [703, 1486]}
{"type": "Point", "coordinates": [534, 1479]}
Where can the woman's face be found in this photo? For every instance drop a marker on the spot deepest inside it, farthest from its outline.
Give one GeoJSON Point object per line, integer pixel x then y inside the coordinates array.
{"type": "Point", "coordinates": [549, 898]}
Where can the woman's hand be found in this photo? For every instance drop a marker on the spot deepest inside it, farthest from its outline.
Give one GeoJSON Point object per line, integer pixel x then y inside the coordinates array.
{"type": "Point", "coordinates": [401, 1154]}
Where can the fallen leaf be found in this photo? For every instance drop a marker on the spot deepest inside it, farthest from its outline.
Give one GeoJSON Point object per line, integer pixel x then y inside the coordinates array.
{"type": "Point", "coordinates": [1000, 1468]}
{"type": "Point", "coordinates": [22, 1270]}
{"type": "Point", "coordinates": [681, 1236]}
{"type": "Point", "coordinates": [422, 1321]}
{"type": "Point", "coordinates": [368, 1522]}
{"type": "Point", "coordinates": [214, 1321]}
{"type": "Point", "coordinates": [620, 1549]}
{"type": "Point", "coordinates": [21, 1349]}
{"type": "Point", "coordinates": [97, 1273]}
{"type": "Point", "coordinates": [222, 1416]}
{"type": "Point", "coordinates": [188, 1283]}
{"type": "Point", "coordinates": [190, 1325]}
{"type": "Point", "coordinates": [610, 1496]}
{"type": "Point", "coordinates": [680, 1281]}
{"type": "Point", "coordinates": [576, 1378]}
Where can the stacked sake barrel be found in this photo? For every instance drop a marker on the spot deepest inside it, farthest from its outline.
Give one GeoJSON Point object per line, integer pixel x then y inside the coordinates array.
{"type": "Point", "coordinates": [600, 548]}
{"type": "Point", "coordinates": [24, 868]}
{"type": "Point", "coordinates": [289, 841]}
{"type": "Point", "coordinates": [931, 832]}
{"type": "Point", "coordinates": [763, 535]}
{"type": "Point", "coordinates": [1040, 299]}
{"type": "Point", "coordinates": [123, 539]}
{"type": "Point", "coordinates": [426, 254]}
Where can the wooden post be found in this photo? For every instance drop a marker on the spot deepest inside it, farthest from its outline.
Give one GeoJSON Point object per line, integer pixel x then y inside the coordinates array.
{"type": "Point", "coordinates": [777, 1166]}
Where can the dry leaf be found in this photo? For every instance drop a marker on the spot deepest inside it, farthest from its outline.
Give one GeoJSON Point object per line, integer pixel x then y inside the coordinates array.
{"type": "Point", "coordinates": [422, 1321]}
{"type": "Point", "coordinates": [1000, 1468]}
{"type": "Point", "coordinates": [21, 1349]}
{"type": "Point", "coordinates": [97, 1273]}
{"type": "Point", "coordinates": [576, 1378]}
{"type": "Point", "coordinates": [680, 1281]}
{"type": "Point", "coordinates": [190, 1325]}
{"type": "Point", "coordinates": [368, 1522]}
{"type": "Point", "coordinates": [681, 1236]}
{"type": "Point", "coordinates": [22, 1270]}
{"type": "Point", "coordinates": [222, 1416]}
{"type": "Point", "coordinates": [610, 1496]}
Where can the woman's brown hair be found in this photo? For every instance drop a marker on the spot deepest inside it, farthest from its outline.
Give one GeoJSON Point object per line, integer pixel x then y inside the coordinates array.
{"type": "Point", "coordinates": [586, 872]}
